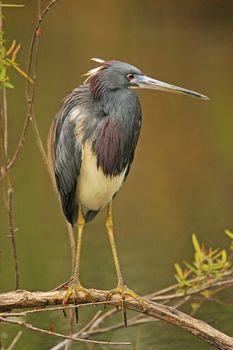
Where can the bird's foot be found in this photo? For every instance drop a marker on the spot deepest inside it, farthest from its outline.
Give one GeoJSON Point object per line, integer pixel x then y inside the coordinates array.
{"type": "Point", "coordinates": [75, 292]}
{"type": "Point", "coordinates": [124, 291]}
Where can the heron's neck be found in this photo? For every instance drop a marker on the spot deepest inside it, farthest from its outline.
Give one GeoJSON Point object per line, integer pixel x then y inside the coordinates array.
{"type": "Point", "coordinates": [117, 137]}
{"type": "Point", "coordinates": [120, 102]}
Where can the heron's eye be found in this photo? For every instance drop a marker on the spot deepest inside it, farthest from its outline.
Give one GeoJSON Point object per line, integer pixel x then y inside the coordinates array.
{"type": "Point", "coordinates": [130, 76]}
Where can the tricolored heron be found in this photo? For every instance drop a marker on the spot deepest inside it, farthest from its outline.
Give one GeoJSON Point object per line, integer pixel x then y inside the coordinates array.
{"type": "Point", "coordinates": [91, 148]}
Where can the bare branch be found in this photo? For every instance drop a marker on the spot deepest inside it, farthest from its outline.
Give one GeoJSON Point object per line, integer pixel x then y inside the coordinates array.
{"type": "Point", "coordinates": [38, 139]}
{"type": "Point", "coordinates": [196, 290]}
{"type": "Point", "coordinates": [6, 185]}
{"type": "Point", "coordinates": [30, 94]}
{"type": "Point", "coordinates": [12, 236]}
{"type": "Point", "coordinates": [15, 340]}
{"type": "Point", "coordinates": [5, 122]}
{"type": "Point", "coordinates": [30, 90]}
{"type": "Point", "coordinates": [200, 281]}
{"type": "Point", "coordinates": [133, 321]}
{"type": "Point", "coordinates": [84, 329]}
{"type": "Point", "coordinates": [25, 299]}
{"type": "Point", "coordinates": [44, 331]}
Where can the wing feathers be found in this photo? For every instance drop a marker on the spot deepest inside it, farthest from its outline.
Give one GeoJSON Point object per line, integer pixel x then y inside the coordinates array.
{"type": "Point", "coordinates": [66, 157]}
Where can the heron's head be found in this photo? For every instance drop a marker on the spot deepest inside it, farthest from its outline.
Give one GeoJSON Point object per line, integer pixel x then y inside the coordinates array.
{"type": "Point", "coordinates": [116, 75]}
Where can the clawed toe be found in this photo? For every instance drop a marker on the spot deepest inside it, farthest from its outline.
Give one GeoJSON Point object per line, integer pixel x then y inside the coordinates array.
{"type": "Point", "coordinates": [123, 290]}
{"type": "Point", "coordinates": [73, 293]}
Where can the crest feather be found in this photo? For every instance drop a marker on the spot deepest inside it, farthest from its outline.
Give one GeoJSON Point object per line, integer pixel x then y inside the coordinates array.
{"type": "Point", "coordinates": [95, 70]}
{"type": "Point", "coordinates": [98, 60]}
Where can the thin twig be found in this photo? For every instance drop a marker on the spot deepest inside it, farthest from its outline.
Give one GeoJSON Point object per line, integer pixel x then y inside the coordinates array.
{"type": "Point", "coordinates": [22, 138]}
{"type": "Point", "coordinates": [104, 317]}
{"type": "Point", "coordinates": [62, 285]}
{"type": "Point", "coordinates": [220, 302]}
{"type": "Point", "coordinates": [30, 116]}
{"type": "Point", "coordinates": [6, 186]}
{"type": "Point", "coordinates": [70, 328]}
{"type": "Point", "coordinates": [2, 110]}
{"type": "Point", "coordinates": [133, 321]}
{"type": "Point", "coordinates": [2, 150]}
{"type": "Point", "coordinates": [38, 139]}
{"type": "Point", "coordinates": [5, 122]}
{"type": "Point", "coordinates": [140, 319]}
{"type": "Point", "coordinates": [30, 91]}
{"type": "Point", "coordinates": [192, 281]}
{"type": "Point", "coordinates": [15, 340]}
{"type": "Point", "coordinates": [54, 334]}
{"type": "Point", "coordinates": [35, 35]}
{"type": "Point", "coordinates": [196, 290]}
{"type": "Point", "coordinates": [90, 323]}
{"type": "Point", "coordinates": [56, 308]}
{"type": "Point", "coordinates": [83, 330]}
{"type": "Point", "coordinates": [12, 231]}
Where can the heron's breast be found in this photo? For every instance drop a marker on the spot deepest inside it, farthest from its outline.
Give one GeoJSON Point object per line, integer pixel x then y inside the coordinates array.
{"type": "Point", "coordinates": [94, 188]}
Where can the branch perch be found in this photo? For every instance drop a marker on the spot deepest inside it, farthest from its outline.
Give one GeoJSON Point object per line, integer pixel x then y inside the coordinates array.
{"type": "Point", "coordinates": [22, 299]}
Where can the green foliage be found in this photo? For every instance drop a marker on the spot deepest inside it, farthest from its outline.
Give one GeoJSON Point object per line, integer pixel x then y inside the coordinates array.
{"type": "Point", "coordinates": [230, 235]}
{"type": "Point", "coordinates": [8, 58]}
{"type": "Point", "coordinates": [182, 276]}
{"type": "Point", "coordinates": [208, 263]}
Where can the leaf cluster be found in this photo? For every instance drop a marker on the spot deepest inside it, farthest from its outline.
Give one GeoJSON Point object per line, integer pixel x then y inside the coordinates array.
{"type": "Point", "coordinates": [208, 263]}
{"type": "Point", "coordinates": [8, 59]}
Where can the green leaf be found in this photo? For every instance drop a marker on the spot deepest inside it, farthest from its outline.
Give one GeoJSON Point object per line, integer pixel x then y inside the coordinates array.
{"type": "Point", "coordinates": [3, 73]}
{"type": "Point", "coordinates": [229, 233]}
{"type": "Point", "coordinates": [179, 271]}
{"type": "Point", "coordinates": [7, 84]}
{"type": "Point", "coordinates": [195, 306]}
{"type": "Point", "coordinates": [217, 254]}
{"type": "Point", "coordinates": [206, 293]}
{"type": "Point", "coordinates": [198, 259]}
{"type": "Point", "coordinates": [16, 67]}
{"type": "Point", "coordinates": [2, 52]}
{"type": "Point", "coordinates": [190, 267]}
{"type": "Point", "coordinates": [224, 256]}
{"type": "Point", "coordinates": [197, 246]}
{"type": "Point", "coordinates": [205, 267]}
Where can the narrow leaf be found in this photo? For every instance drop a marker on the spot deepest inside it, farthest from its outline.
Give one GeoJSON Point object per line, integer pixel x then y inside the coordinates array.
{"type": "Point", "coordinates": [190, 267]}
{"type": "Point", "coordinates": [179, 271]}
{"type": "Point", "coordinates": [2, 52]}
{"type": "Point", "coordinates": [3, 73]}
{"type": "Point", "coordinates": [197, 246]}
{"type": "Point", "coordinates": [229, 233]}
{"type": "Point", "coordinates": [16, 67]}
{"type": "Point", "coordinates": [7, 84]}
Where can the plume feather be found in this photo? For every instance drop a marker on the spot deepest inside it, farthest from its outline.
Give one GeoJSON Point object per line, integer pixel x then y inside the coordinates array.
{"type": "Point", "coordinates": [95, 70]}
{"type": "Point", "coordinates": [98, 60]}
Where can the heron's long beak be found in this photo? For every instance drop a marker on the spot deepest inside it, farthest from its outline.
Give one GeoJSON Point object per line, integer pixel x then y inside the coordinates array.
{"type": "Point", "coordinates": [142, 81]}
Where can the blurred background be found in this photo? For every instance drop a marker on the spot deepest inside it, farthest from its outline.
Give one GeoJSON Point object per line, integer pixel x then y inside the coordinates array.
{"type": "Point", "coordinates": [181, 179]}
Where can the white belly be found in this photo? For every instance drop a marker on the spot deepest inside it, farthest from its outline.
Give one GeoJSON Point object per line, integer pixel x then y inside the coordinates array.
{"type": "Point", "coordinates": [94, 189]}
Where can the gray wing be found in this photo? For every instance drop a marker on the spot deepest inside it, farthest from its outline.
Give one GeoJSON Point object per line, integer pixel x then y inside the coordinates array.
{"type": "Point", "coordinates": [67, 158]}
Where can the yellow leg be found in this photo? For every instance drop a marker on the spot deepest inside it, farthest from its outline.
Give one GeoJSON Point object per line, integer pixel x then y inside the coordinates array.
{"type": "Point", "coordinates": [121, 287]}
{"type": "Point", "coordinates": [81, 223]}
{"type": "Point", "coordinates": [109, 227]}
{"type": "Point", "coordinates": [76, 286]}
